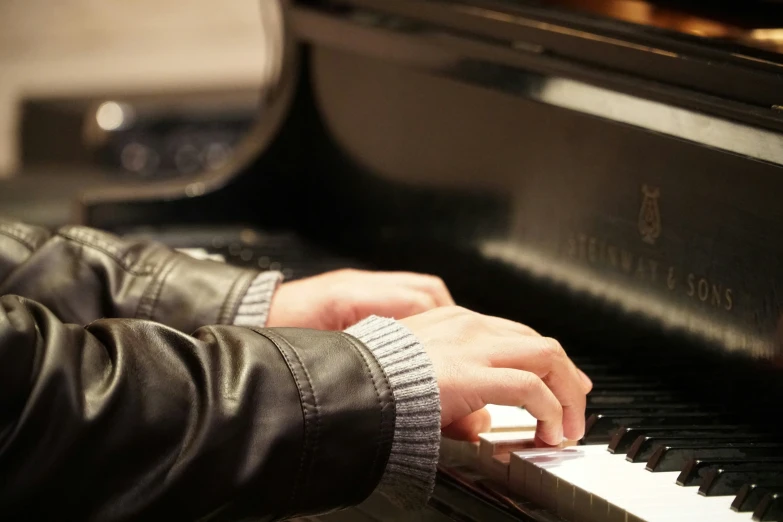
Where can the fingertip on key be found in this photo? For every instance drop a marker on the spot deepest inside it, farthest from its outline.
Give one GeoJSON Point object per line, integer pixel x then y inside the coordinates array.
{"type": "Point", "coordinates": [548, 435]}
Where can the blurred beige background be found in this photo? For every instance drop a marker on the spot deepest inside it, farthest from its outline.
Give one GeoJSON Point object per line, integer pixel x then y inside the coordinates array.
{"type": "Point", "coordinates": [63, 47]}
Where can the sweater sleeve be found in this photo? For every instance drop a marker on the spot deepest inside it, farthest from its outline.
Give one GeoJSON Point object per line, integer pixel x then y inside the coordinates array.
{"type": "Point", "coordinates": [409, 478]}
{"type": "Point", "coordinates": [253, 309]}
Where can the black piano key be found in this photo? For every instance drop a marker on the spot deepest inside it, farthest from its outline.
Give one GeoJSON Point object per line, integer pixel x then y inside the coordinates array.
{"type": "Point", "coordinates": [725, 481]}
{"type": "Point", "coordinates": [625, 436]}
{"type": "Point", "coordinates": [600, 427]}
{"type": "Point", "coordinates": [615, 377]}
{"type": "Point", "coordinates": [674, 458]}
{"type": "Point", "coordinates": [593, 369]}
{"type": "Point", "coordinates": [620, 382]}
{"type": "Point", "coordinates": [640, 408]}
{"type": "Point", "coordinates": [750, 495]}
{"type": "Point", "coordinates": [643, 392]}
{"type": "Point", "coordinates": [770, 508]}
{"type": "Point", "coordinates": [627, 385]}
{"type": "Point", "coordinates": [693, 471]}
{"type": "Point", "coordinates": [644, 446]}
{"type": "Point", "coordinates": [602, 369]}
{"type": "Point", "coordinates": [629, 398]}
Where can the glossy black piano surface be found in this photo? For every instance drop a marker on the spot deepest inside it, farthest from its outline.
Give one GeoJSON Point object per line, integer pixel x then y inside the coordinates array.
{"type": "Point", "coordinates": [608, 172]}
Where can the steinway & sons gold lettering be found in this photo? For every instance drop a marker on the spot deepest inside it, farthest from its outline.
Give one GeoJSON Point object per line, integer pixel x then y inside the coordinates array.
{"type": "Point", "coordinates": [599, 252]}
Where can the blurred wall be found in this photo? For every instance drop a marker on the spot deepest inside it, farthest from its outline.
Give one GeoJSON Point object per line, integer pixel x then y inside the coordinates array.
{"type": "Point", "coordinates": [81, 46]}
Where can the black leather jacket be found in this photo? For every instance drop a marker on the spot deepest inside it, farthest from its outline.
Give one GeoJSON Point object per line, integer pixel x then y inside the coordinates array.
{"type": "Point", "coordinates": [145, 413]}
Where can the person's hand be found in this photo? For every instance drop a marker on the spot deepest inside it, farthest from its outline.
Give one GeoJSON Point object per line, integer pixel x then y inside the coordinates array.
{"type": "Point", "coordinates": [339, 299]}
{"type": "Point", "coordinates": [482, 360]}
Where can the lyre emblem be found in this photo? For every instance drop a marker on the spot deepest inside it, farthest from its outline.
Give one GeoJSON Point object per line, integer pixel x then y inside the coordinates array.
{"type": "Point", "coordinates": [649, 215]}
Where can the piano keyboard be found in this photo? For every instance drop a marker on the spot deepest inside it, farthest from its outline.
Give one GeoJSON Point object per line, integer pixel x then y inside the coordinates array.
{"type": "Point", "coordinates": [647, 455]}
{"type": "Point", "coordinates": [284, 251]}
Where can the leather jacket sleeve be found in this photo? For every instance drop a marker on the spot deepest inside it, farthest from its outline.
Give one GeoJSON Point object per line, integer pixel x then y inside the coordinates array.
{"type": "Point", "coordinates": [145, 413]}
{"type": "Point", "coordinates": [129, 419]}
{"type": "Point", "coordinates": [82, 274]}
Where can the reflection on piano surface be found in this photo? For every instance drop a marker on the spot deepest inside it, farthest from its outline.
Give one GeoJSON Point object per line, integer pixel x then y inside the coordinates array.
{"type": "Point", "coordinates": [756, 26]}
{"type": "Point", "coordinates": [608, 172]}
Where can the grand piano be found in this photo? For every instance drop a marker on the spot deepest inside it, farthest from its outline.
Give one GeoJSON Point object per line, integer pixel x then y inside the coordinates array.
{"type": "Point", "coordinates": [609, 172]}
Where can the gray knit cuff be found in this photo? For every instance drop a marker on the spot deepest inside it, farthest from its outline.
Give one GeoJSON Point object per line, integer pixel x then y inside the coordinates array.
{"type": "Point", "coordinates": [253, 309]}
{"type": "Point", "coordinates": [409, 478]}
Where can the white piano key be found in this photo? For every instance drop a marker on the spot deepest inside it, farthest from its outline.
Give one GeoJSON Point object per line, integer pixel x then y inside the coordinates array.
{"type": "Point", "coordinates": [494, 444]}
{"type": "Point", "coordinates": [517, 468]}
{"type": "Point", "coordinates": [534, 470]}
{"type": "Point", "coordinates": [510, 418]}
{"type": "Point", "coordinates": [628, 488]}
{"type": "Point", "coordinates": [567, 469]}
{"type": "Point", "coordinates": [497, 468]}
{"type": "Point", "coordinates": [499, 443]}
{"type": "Point", "coordinates": [587, 483]}
{"type": "Point", "coordinates": [527, 476]}
{"type": "Point", "coordinates": [505, 442]}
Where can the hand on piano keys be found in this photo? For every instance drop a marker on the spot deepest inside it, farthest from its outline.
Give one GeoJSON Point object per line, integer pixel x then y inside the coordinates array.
{"type": "Point", "coordinates": [480, 360]}
{"type": "Point", "coordinates": [658, 465]}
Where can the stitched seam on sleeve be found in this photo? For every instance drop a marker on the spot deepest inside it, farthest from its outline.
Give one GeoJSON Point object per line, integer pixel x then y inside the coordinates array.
{"type": "Point", "coordinates": [15, 233]}
{"type": "Point", "coordinates": [305, 415]}
{"type": "Point", "coordinates": [377, 395]}
{"type": "Point", "coordinates": [317, 430]}
{"type": "Point", "coordinates": [104, 247]}
{"type": "Point", "coordinates": [148, 302]}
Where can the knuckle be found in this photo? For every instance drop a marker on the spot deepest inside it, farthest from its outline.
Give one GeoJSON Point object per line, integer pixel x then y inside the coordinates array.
{"type": "Point", "coordinates": [528, 330]}
{"type": "Point", "coordinates": [472, 320]}
{"type": "Point", "coordinates": [341, 273]}
{"type": "Point", "coordinates": [455, 311]}
{"type": "Point", "coordinates": [557, 410]}
{"type": "Point", "coordinates": [465, 324]}
{"type": "Point", "coordinates": [436, 282]}
{"type": "Point", "coordinates": [550, 349]}
{"type": "Point", "coordinates": [528, 383]}
{"type": "Point", "coordinates": [425, 301]}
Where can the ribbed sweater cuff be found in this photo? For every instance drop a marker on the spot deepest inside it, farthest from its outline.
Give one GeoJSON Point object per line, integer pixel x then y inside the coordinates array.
{"type": "Point", "coordinates": [409, 478]}
{"type": "Point", "coordinates": [253, 309]}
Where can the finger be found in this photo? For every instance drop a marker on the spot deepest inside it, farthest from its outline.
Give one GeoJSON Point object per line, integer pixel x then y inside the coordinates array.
{"type": "Point", "coordinates": [588, 384]}
{"type": "Point", "coordinates": [468, 428]}
{"type": "Point", "coordinates": [546, 358]}
{"type": "Point", "coordinates": [510, 387]}
{"type": "Point", "coordinates": [432, 285]}
{"type": "Point", "coordinates": [398, 302]}
{"type": "Point", "coordinates": [523, 329]}
{"type": "Point", "coordinates": [510, 326]}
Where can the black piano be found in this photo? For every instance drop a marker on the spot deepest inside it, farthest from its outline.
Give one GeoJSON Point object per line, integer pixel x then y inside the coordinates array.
{"type": "Point", "coordinates": [609, 172]}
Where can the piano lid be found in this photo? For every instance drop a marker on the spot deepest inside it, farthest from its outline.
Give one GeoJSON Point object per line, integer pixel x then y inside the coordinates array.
{"type": "Point", "coordinates": [731, 56]}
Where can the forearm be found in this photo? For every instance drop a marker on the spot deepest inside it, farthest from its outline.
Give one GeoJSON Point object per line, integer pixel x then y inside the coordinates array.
{"type": "Point", "coordinates": [133, 419]}
{"type": "Point", "coordinates": [82, 274]}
